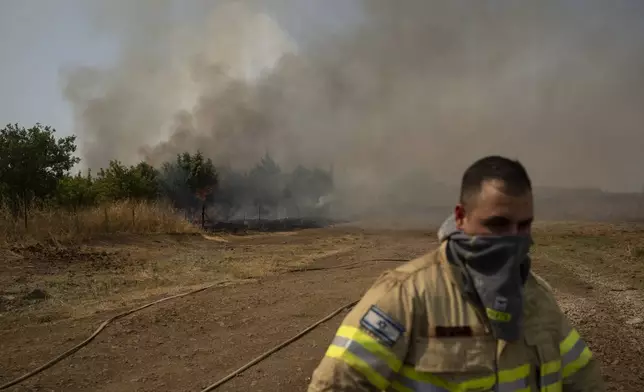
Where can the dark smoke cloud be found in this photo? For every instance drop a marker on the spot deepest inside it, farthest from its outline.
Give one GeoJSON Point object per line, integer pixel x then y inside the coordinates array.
{"type": "Point", "coordinates": [409, 95]}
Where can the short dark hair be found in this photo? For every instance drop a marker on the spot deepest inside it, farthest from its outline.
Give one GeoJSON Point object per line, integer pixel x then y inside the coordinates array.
{"type": "Point", "coordinates": [494, 167]}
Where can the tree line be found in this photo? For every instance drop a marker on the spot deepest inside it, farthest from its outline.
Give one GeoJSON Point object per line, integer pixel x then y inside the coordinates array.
{"type": "Point", "coordinates": [36, 168]}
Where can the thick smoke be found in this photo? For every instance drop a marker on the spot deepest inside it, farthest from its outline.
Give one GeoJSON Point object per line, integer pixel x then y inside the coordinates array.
{"type": "Point", "coordinates": [398, 104]}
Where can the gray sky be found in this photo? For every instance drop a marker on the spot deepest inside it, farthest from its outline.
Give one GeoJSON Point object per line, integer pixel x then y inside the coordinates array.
{"type": "Point", "coordinates": [37, 38]}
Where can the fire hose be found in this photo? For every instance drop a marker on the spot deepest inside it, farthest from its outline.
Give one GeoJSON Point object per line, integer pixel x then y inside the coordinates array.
{"type": "Point", "coordinates": [99, 330]}
{"type": "Point", "coordinates": [278, 347]}
{"type": "Point", "coordinates": [227, 378]}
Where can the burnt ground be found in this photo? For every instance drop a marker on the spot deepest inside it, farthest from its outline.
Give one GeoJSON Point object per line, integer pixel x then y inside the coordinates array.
{"type": "Point", "coordinates": [188, 343]}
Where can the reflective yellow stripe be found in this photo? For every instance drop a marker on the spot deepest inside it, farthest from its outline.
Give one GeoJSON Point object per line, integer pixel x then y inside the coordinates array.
{"type": "Point", "coordinates": [551, 376]}
{"type": "Point", "coordinates": [497, 315]}
{"type": "Point", "coordinates": [569, 342]}
{"type": "Point", "coordinates": [569, 347]}
{"type": "Point", "coordinates": [365, 354]}
{"type": "Point", "coordinates": [372, 345]}
{"type": "Point", "coordinates": [551, 367]}
{"type": "Point", "coordinates": [578, 363]}
{"type": "Point", "coordinates": [411, 373]}
{"type": "Point", "coordinates": [557, 387]}
{"type": "Point", "coordinates": [358, 364]}
{"type": "Point", "coordinates": [377, 355]}
{"type": "Point", "coordinates": [504, 376]}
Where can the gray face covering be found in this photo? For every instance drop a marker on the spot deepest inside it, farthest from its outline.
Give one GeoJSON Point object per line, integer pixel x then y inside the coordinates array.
{"type": "Point", "coordinates": [495, 269]}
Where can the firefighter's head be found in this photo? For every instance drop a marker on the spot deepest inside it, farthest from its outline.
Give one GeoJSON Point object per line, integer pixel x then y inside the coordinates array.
{"type": "Point", "coordinates": [496, 198]}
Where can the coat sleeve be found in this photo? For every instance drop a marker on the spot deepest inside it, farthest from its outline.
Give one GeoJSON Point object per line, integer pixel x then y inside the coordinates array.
{"type": "Point", "coordinates": [371, 342]}
{"type": "Point", "coordinates": [580, 370]}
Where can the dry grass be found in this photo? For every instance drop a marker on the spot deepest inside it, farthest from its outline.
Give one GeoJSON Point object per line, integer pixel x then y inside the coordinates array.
{"type": "Point", "coordinates": [121, 271]}
{"type": "Point", "coordinates": [59, 225]}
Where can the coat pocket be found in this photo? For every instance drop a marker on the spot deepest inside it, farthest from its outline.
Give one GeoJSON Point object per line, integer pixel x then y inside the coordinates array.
{"type": "Point", "coordinates": [454, 355]}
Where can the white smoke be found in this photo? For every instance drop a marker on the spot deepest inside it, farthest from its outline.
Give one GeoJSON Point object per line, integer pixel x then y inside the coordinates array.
{"type": "Point", "coordinates": [164, 69]}
{"type": "Point", "coordinates": [398, 104]}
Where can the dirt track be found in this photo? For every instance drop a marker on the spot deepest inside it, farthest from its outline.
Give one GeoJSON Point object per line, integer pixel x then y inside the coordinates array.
{"type": "Point", "coordinates": [188, 343]}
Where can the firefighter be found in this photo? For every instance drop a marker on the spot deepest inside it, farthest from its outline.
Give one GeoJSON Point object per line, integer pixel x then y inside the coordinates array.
{"type": "Point", "coordinates": [468, 316]}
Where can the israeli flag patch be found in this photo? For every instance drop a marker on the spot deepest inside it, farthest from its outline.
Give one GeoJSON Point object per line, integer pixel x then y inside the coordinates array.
{"type": "Point", "coordinates": [383, 327]}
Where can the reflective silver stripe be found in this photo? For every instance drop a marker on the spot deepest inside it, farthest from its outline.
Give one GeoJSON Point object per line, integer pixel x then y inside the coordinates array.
{"type": "Point", "coordinates": [515, 385]}
{"type": "Point", "coordinates": [551, 378]}
{"type": "Point", "coordinates": [574, 353]}
{"type": "Point", "coordinates": [420, 386]}
{"type": "Point", "coordinates": [373, 361]}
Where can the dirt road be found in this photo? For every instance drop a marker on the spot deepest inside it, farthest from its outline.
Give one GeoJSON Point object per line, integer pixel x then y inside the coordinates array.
{"type": "Point", "coordinates": [188, 343]}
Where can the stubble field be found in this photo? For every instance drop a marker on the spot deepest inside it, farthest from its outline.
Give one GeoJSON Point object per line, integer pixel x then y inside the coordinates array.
{"type": "Point", "coordinates": [268, 287]}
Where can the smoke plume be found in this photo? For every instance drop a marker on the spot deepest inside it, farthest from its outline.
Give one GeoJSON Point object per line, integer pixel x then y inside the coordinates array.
{"type": "Point", "coordinates": [398, 101]}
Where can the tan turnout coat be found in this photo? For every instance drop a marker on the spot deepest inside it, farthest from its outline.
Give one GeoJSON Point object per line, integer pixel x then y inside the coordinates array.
{"type": "Point", "coordinates": [414, 330]}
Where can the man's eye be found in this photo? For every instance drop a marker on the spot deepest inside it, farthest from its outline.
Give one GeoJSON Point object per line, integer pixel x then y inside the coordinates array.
{"type": "Point", "coordinates": [498, 228]}
{"type": "Point", "coordinates": [496, 224]}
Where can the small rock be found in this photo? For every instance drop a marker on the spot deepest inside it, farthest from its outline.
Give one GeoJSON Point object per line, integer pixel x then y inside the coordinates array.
{"type": "Point", "coordinates": [635, 321]}
{"type": "Point", "coordinates": [37, 294]}
{"type": "Point", "coordinates": [615, 362]}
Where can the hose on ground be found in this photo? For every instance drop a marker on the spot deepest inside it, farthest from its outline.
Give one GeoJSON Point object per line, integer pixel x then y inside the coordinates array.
{"type": "Point", "coordinates": [304, 332]}
{"type": "Point", "coordinates": [345, 266]}
{"type": "Point", "coordinates": [105, 323]}
{"type": "Point", "coordinates": [278, 347]}
{"type": "Point", "coordinates": [99, 329]}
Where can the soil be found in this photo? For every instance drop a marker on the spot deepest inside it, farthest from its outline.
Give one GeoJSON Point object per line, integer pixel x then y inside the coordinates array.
{"type": "Point", "coordinates": [189, 343]}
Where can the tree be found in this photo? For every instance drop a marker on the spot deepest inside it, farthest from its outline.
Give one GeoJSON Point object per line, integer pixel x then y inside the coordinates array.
{"type": "Point", "coordinates": [145, 182]}
{"type": "Point", "coordinates": [202, 177]}
{"type": "Point", "coordinates": [120, 182]}
{"type": "Point", "coordinates": [32, 162]}
{"type": "Point", "coordinates": [267, 184]}
{"type": "Point", "coordinates": [76, 191]}
{"type": "Point", "coordinates": [189, 181]}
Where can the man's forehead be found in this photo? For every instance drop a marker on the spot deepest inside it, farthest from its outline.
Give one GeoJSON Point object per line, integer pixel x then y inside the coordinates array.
{"type": "Point", "coordinates": [492, 188]}
{"type": "Point", "coordinates": [495, 196]}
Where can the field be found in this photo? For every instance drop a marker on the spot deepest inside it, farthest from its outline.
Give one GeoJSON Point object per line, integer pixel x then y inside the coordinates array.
{"type": "Point", "coordinates": [270, 287]}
